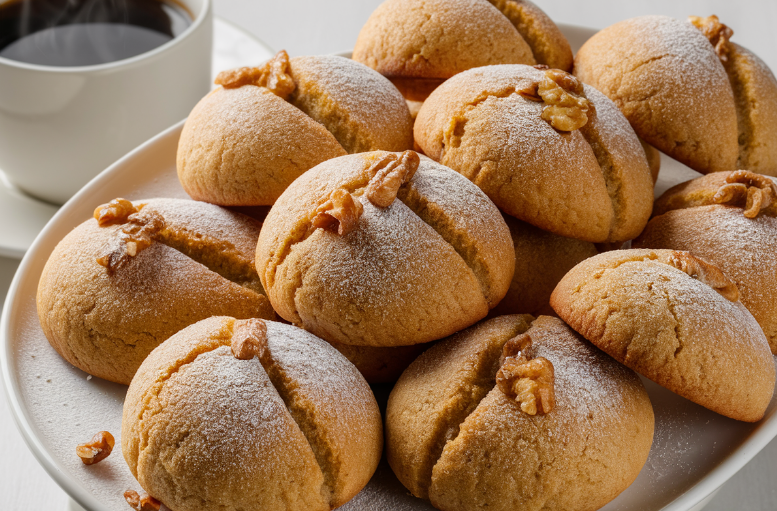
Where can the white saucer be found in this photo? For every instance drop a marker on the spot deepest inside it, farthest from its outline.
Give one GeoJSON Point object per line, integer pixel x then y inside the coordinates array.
{"type": "Point", "coordinates": [22, 217]}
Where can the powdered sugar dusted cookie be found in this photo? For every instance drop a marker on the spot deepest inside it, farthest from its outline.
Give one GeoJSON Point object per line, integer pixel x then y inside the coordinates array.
{"type": "Point", "coordinates": [251, 415]}
{"type": "Point", "coordinates": [516, 413]}
{"type": "Point", "coordinates": [675, 319]}
{"type": "Point", "coordinates": [384, 249]}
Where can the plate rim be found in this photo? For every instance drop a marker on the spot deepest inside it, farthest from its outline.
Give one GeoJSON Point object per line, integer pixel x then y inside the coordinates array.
{"type": "Point", "coordinates": [20, 414]}
{"type": "Point", "coordinates": [693, 496]}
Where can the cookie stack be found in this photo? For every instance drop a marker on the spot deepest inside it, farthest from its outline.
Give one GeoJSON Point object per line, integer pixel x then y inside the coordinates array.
{"type": "Point", "coordinates": [471, 251]}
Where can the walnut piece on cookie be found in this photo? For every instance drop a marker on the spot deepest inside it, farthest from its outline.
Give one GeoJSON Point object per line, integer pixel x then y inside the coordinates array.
{"type": "Point", "coordinates": [427, 255]}
{"type": "Point", "coordinates": [167, 264]}
{"type": "Point", "coordinates": [204, 429]}
{"type": "Point", "coordinates": [454, 437]}
{"type": "Point", "coordinates": [546, 148]}
{"type": "Point", "coordinates": [673, 318]}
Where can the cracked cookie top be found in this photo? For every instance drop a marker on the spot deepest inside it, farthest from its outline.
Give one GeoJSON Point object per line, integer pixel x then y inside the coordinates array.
{"type": "Point", "coordinates": [110, 294]}
{"type": "Point", "coordinates": [545, 148]}
{"type": "Point", "coordinates": [455, 437]}
{"type": "Point", "coordinates": [729, 219]}
{"type": "Point", "coordinates": [675, 319]}
{"type": "Point", "coordinates": [418, 44]}
{"type": "Point", "coordinates": [291, 421]}
{"type": "Point", "coordinates": [428, 253]}
{"type": "Point", "coordinates": [246, 141]}
{"type": "Point", "coordinates": [669, 82]}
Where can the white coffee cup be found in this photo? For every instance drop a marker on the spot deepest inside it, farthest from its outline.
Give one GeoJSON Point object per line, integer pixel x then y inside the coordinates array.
{"type": "Point", "coordinates": [61, 126]}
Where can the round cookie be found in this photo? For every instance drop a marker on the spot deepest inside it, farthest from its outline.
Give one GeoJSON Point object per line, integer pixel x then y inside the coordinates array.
{"type": "Point", "coordinates": [164, 264]}
{"type": "Point", "coordinates": [544, 148]}
{"type": "Point", "coordinates": [455, 437]}
{"type": "Point", "coordinates": [677, 320]}
{"type": "Point", "coordinates": [379, 249]}
{"type": "Point", "coordinates": [541, 260]}
{"type": "Point", "coordinates": [250, 415]}
{"type": "Point", "coordinates": [744, 248]}
{"type": "Point", "coordinates": [687, 90]}
{"type": "Point", "coordinates": [246, 141]}
{"type": "Point", "coordinates": [420, 44]}
{"type": "Point", "coordinates": [244, 146]}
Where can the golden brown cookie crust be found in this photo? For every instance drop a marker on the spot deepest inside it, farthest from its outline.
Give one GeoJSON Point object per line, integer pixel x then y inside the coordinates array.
{"type": "Point", "coordinates": [640, 308]}
{"type": "Point", "coordinates": [453, 437]}
{"type": "Point", "coordinates": [755, 93]}
{"type": "Point", "coordinates": [742, 247]}
{"type": "Point", "coordinates": [591, 183]}
{"type": "Point", "coordinates": [244, 146]}
{"type": "Point", "coordinates": [374, 286]}
{"type": "Point", "coordinates": [668, 81]}
{"type": "Point", "coordinates": [541, 260]}
{"type": "Point", "coordinates": [289, 444]}
{"type": "Point", "coordinates": [106, 324]}
{"type": "Point", "coordinates": [433, 40]}
{"type": "Point", "coordinates": [547, 43]}
{"type": "Point", "coordinates": [357, 105]}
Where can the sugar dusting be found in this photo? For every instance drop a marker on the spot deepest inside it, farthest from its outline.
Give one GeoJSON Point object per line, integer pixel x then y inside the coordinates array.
{"type": "Point", "coordinates": [380, 285]}
{"type": "Point", "coordinates": [362, 99]}
{"type": "Point", "coordinates": [230, 414]}
{"type": "Point", "coordinates": [468, 208]}
{"type": "Point", "coordinates": [324, 377]}
{"type": "Point", "coordinates": [743, 248]}
{"type": "Point", "coordinates": [482, 127]}
{"type": "Point", "coordinates": [200, 219]}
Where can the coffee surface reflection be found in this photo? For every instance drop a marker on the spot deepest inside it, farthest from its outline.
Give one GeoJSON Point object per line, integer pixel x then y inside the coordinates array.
{"type": "Point", "coordinates": [86, 32]}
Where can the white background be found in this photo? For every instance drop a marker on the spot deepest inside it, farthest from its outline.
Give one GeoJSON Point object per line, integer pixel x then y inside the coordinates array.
{"type": "Point", "coordinates": [308, 27]}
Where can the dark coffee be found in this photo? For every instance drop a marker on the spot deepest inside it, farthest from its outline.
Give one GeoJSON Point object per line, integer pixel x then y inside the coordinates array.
{"type": "Point", "coordinates": [86, 32]}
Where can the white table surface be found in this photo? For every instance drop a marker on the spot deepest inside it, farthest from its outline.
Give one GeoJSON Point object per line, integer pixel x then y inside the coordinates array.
{"type": "Point", "coordinates": [309, 27]}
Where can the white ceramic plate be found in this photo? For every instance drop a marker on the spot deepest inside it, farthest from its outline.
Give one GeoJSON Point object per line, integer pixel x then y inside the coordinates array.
{"type": "Point", "coordinates": [56, 406]}
{"type": "Point", "coordinates": [22, 217]}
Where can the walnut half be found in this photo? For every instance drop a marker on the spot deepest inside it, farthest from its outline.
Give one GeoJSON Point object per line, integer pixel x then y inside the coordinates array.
{"type": "Point", "coordinates": [566, 105]}
{"type": "Point", "coordinates": [704, 272]}
{"type": "Point", "coordinates": [717, 33]}
{"type": "Point", "coordinates": [138, 233]}
{"type": "Point", "coordinates": [388, 175]}
{"type": "Point", "coordinates": [142, 503]}
{"type": "Point", "coordinates": [752, 191]}
{"type": "Point", "coordinates": [274, 75]}
{"type": "Point", "coordinates": [530, 381]}
{"type": "Point", "coordinates": [115, 212]}
{"type": "Point", "coordinates": [339, 214]}
{"type": "Point", "coordinates": [97, 449]}
{"type": "Point", "coordinates": [249, 339]}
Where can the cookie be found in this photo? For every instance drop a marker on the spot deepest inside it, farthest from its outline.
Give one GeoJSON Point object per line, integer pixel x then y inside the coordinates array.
{"type": "Point", "coordinates": [251, 415]}
{"type": "Point", "coordinates": [120, 284]}
{"type": "Point", "coordinates": [677, 320]}
{"type": "Point", "coordinates": [458, 435]}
